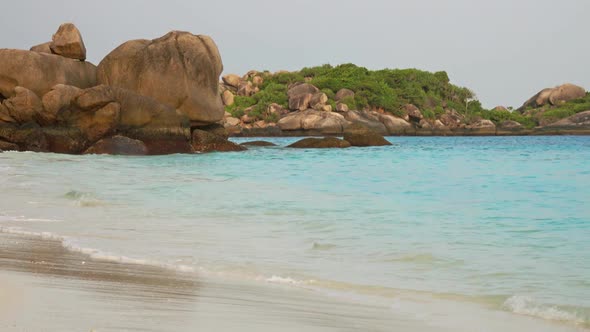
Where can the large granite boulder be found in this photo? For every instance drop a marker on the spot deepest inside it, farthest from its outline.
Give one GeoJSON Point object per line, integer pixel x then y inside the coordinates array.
{"type": "Point", "coordinates": [5, 115]}
{"type": "Point", "coordinates": [320, 143]}
{"type": "Point", "coordinates": [326, 123]}
{"type": "Point", "coordinates": [358, 134]}
{"type": "Point", "coordinates": [232, 80]}
{"type": "Point", "coordinates": [554, 96]}
{"type": "Point", "coordinates": [40, 72]}
{"type": "Point", "coordinates": [24, 106]}
{"type": "Point", "coordinates": [369, 119]}
{"type": "Point", "coordinates": [204, 141]}
{"type": "Point", "coordinates": [578, 120]}
{"type": "Point", "coordinates": [60, 97]}
{"type": "Point", "coordinates": [67, 42]}
{"type": "Point", "coordinates": [180, 70]}
{"type": "Point", "coordinates": [118, 145]}
{"type": "Point", "coordinates": [300, 96]}
{"type": "Point", "coordinates": [395, 125]}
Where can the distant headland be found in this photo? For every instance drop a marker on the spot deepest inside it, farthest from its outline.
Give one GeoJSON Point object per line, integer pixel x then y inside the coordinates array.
{"type": "Point", "coordinates": [164, 96]}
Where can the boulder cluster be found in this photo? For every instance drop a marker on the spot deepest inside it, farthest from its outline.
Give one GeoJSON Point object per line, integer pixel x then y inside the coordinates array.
{"type": "Point", "coordinates": [145, 97]}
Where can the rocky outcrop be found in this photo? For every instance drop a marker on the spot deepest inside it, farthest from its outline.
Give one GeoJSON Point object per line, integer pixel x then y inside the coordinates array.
{"type": "Point", "coordinates": [575, 121]}
{"type": "Point", "coordinates": [258, 143]}
{"type": "Point", "coordinates": [40, 72]}
{"type": "Point", "coordinates": [180, 70]}
{"type": "Point", "coordinates": [203, 141]}
{"type": "Point", "coordinates": [452, 119]}
{"type": "Point", "coordinates": [369, 119]}
{"type": "Point", "coordinates": [554, 96]}
{"type": "Point", "coordinates": [395, 125]}
{"type": "Point", "coordinates": [67, 42]}
{"type": "Point", "coordinates": [359, 134]}
{"type": "Point", "coordinates": [320, 143]}
{"type": "Point", "coordinates": [319, 122]}
{"type": "Point", "coordinates": [7, 146]}
{"type": "Point", "coordinates": [118, 145]}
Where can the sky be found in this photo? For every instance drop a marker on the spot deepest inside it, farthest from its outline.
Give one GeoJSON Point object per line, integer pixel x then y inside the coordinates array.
{"type": "Point", "coordinates": [503, 50]}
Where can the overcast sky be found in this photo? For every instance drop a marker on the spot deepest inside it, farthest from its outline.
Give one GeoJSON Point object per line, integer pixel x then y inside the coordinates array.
{"type": "Point", "coordinates": [504, 50]}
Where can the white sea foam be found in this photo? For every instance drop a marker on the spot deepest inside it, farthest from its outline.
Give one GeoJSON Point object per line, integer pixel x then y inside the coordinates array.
{"type": "Point", "coordinates": [96, 254]}
{"type": "Point", "coordinates": [524, 305]}
{"type": "Point", "coordinates": [284, 280]}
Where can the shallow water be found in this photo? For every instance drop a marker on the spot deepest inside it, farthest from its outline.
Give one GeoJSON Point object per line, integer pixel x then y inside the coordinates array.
{"type": "Point", "coordinates": [500, 221]}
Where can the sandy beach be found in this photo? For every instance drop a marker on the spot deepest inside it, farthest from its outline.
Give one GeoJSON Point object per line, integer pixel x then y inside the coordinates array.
{"type": "Point", "coordinates": [45, 287]}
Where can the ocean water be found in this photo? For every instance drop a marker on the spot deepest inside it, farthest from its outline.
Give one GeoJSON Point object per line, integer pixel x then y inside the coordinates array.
{"type": "Point", "coordinates": [502, 222]}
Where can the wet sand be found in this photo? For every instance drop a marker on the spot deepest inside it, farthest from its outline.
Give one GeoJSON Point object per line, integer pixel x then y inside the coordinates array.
{"type": "Point", "coordinates": [44, 287]}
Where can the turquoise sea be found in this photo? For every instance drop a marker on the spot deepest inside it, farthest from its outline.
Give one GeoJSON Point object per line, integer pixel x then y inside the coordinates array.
{"type": "Point", "coordinates": [501, 222]}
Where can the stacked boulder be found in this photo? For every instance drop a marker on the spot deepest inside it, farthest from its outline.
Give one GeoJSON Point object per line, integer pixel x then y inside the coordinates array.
{"type": "Point", "coordinates": [145, 97]}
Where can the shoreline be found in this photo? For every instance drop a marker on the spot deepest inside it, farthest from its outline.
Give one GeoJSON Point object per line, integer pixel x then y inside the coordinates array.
{"type": "Point", "coordinates": [113, 296]}
{"type": "Point", "coordinates": [263, 132]}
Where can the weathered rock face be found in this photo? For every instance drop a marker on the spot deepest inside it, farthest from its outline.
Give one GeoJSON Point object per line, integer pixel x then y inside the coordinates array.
{"type": "Point", "coordinates": [341, 107]}
{"type": "Point", "coordinates": [320, 143]}
{"type": "Point", "coordinates": [326, 123]}
{"type": "Point", "coordinates": [118, 145]}
{"type": "Point", "coordinates": [451, 119]}
{"type": "Point", "coordinates": [7, 146]}
{"type": "Point", "coordinates": [39, 72]}
{"type": "Point", "coordinates": [232, 80]}
{"type": "Point", "coordinates": [581, 119]}
{"type": "Point", "coordinates": [227, 97]}
{"type": "Point", "coordinates": [24, 106]}
{"type": "Point", "coordinates": [359, 134]}
{"type": "Point", "coordinates": [203, 141]}
{"type": "Point", "coordinates": [60, 97]}
{"type": "Point", "coordinates": [5, 116]}
{"type": "Point", "coordinates": [343, 93]}
{"type": "Point", "coordinates": [42, 48]}
{"type": "Point", "coordinates": [300, 102]}
{"type": "Point", "coordinates": [28, 137]}
{"type": "Point", "coordinates": [67, 42]}
{"type": "Point", "coordinates": [246, 89]}
{"type": "Point", "coordinates": [414, 114]}
{"type": "Point", "coordinates": [554, 96]}
{"type": "Point", "coordinates": [318, 101]}
{"type": "Point", "coordinates": [179, 69]}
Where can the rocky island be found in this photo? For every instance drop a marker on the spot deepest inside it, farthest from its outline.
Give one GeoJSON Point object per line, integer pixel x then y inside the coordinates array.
{"type": "Point", "coordinates": [164, 96]}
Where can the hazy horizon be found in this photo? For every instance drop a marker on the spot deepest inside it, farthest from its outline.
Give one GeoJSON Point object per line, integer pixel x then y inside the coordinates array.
{"type": "Point", "coordinates": [504, 52]}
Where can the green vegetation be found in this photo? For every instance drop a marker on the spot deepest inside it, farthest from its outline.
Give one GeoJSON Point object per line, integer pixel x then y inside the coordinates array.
{"type": "Point", "coordinates": [388, 90]}
{"type": "Point", "coordinates": [568, 109]}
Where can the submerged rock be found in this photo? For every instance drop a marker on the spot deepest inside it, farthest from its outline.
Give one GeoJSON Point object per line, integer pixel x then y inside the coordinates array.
{"type": "Point", "coordinates": [320, 143]}
{"type": "Point", "coordinates": [258, 143]}
{"type": "Point", "coordinates": [359, 134]}
{"type": "Point", "coordinates": [204, 141]}
{"type": "Point", "coordinates": [118, 145]}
